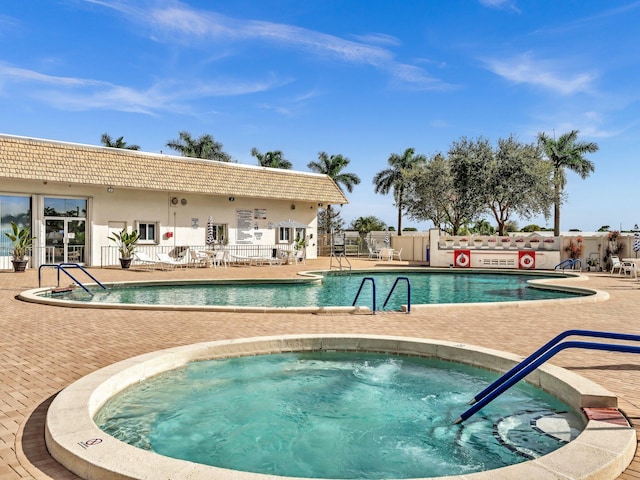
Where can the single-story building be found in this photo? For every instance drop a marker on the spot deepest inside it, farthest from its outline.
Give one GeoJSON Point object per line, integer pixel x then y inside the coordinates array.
{"type": "Point", "coordinates": [74, 197]}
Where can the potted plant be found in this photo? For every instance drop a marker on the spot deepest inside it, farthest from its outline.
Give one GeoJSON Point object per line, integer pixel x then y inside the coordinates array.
{"type": "Point", "coordinates": [548, 243]}
{"type": "Point", "coordinates": [478, 242]}
{"type": "Point", "coordinates": [22, 243]}
{"type": "Point", "coordinates": [464, 241]}
{"type": "Point", "coordinates": [126, 243]}
{"type": "Point", "coordinates": [492, 242]}
{"type": "Point", "coordinates": [534, 243]}
{"type": "Point", "coordinates": [448, 242]}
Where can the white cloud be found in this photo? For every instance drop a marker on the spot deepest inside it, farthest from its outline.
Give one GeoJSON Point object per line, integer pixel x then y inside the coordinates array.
{"type": "Point", "coordinates": [79, 94]}
{"type": "Point", "coordinates": [526, 70]}
{"type": "Point", "coordinates": [501, 4]}
{"type": "Point", "coordinates": [181, 23]}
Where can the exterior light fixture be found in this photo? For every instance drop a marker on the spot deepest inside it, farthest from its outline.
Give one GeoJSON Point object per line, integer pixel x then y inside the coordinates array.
{"type": "Point", "coordinates": [232, 199]}
{"type": "Point", "coordinates": [109, 189]}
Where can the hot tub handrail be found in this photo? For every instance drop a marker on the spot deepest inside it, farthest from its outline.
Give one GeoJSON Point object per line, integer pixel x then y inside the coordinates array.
{"type": "Point", "coordinates": [60, 267]}
{"type": "Point", "coordinates": [530, 367]}
{"type": "Point", "coordinates": [408, 292]}
{"type": "Point", "coordinates": [567, 333]}
{"type": "Point", "coordinates": [373, 285]}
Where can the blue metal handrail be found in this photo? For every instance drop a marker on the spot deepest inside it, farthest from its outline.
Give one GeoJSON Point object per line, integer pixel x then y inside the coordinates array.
{"type": "Point", "coordinates": [408, 292]}
{"type": "Point", "coordinates": [568, 263]}
{"type": "Point", "coordinates": [61, 268]}
{"type": "Point", "coordinates": [373, 284]}
{"type": "Point", "coordinates": [540, 356]}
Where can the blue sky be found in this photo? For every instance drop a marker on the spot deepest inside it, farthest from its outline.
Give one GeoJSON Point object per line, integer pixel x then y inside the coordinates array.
{"type": "Point", "coordinates": [363, 78]}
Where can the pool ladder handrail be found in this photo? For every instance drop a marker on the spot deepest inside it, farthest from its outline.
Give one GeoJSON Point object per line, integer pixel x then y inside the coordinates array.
{"type": "Point", "coordinates": [373, 285]}
{"type": "Point", "coordinates": [61, 268]}
{"type": "Point", "coordinates": [544, 353]}
{"type": "Point", "coordinates": [408, 292]}
{"type": "Point", "coordinates": [568, 263]}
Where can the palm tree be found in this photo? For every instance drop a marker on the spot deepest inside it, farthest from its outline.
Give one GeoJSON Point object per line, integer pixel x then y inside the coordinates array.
{"type": "Point", "coordinates": [395, 178]}
{"type": "Point", "coordinates": [273, 159]}
{"type": "Point", "coordinates": [333, 167]}
{"type": "Point", "coordinates": [204, 147]}
{"type": "Point", "coordinates": [566, 152]}
{"type": "Point", "coordinates": [119, 142]}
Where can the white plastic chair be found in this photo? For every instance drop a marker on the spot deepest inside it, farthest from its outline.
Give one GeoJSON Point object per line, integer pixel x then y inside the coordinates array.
{"type": "Point", "coordinates": [220, 258]}
{"type": "Point", "coordinates": [397, 254]}
{"type": "Point", "coordinates": [300, 257]}
{"type": "Point", "coordinates": [616, 264]}
{"type": "Point", "coordinates": [198, 258]}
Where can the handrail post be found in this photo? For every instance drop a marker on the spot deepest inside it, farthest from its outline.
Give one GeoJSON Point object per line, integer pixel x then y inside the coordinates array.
{"type": "Point", "coordinates": [408, 292]}
{"type": "Point", "coordinates": [373, 284]}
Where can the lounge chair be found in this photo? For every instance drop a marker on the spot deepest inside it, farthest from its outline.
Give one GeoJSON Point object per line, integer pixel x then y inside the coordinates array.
{"type": "Point", "coordinates": [143, 260]}
{"type": "Point", "coordinates": [166, 262]}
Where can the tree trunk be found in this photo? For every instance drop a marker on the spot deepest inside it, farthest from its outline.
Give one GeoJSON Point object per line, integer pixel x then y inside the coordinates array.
{"type": "Point", "coordinates": [556, 211]}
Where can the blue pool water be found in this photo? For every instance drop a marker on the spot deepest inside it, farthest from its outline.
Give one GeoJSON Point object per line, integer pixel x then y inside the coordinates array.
{"type": "Point", "coordinates": [331, 415]}
{"type": "Point", "coordinates": [336, 290]}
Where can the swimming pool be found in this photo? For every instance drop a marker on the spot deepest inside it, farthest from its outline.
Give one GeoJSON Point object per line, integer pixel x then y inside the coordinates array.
{"type": "Point", "coordinates": [321, 290]}
{"type": "Point", "coordinates": [336, 415]}
{"type": "Point", "coordinates": [601, 450]}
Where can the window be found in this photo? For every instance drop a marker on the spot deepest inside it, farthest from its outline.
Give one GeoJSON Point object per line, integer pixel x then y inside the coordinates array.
{"type": "Point", "coordinates": [219, 233]}
{"type": "Point", "coordinates": [148, 232]}
{"type": "Point", "coordinates": [16, 209]}
{"type": "Point", "coordinates": [284, 235]}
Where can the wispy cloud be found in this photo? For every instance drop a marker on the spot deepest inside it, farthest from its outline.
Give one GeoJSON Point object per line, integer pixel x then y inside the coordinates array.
{"type": "Point", "coordinates": [501, 4]}
{"type": "Point", "coordinates": [79, 94]}
{"type": "Point", "coordinates": [524, 69]}
{"type": "Point", "coordinates": [179, 22]}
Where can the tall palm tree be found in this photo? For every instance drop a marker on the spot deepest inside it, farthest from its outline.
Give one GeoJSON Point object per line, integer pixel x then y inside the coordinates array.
{"type": "Point", "coordinates": [273, 159]}
{"type": "Point", "coordinates": [119, 142]}
{"type": "Point", "coordinates": [394, 178]}
{"type": "Point", "coordinates": [566, 153]}
{"type": "Point", "coordinates": [204, 147]}
{"type": "Point", "coordinates": [333, 167]}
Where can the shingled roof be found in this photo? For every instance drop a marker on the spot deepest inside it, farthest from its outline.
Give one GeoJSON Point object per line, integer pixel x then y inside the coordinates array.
{"type": "Point", "coordinates": [35, 159]}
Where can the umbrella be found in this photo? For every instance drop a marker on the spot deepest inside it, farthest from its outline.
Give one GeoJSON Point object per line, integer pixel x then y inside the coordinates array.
{"type": "Point", "coordinates": [636, 239]}
{"type": "Point", "coordinates": [387, 240]}
{"type": "Point", "coordinates": [211, 239]}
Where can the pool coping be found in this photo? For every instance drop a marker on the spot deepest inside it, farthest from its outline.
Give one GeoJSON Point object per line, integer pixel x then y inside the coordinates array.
{"type": "Point", "coordinates": [313, 276]}
{"type": "Point", "coordinates": [602, 451]}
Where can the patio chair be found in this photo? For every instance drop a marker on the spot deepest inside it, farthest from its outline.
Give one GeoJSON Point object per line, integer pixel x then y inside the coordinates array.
{"type": "Point", "coordinates": [145, 261]}
{"type": "Point", "coordinates": [397, 254]}
{"type": "Point", "coordinates": [220, 258]}
{"type": "Point", "coordinates": [630, 268]}
{"type": "Point", "coordinates": [374, 254]}
{"type": "Point", "coordinates": [198, 258]}
{"type": "Point", "coordinates": [300, 257]}
{"type": "Point", "coordinates": [616, 264]}
{"type": "Point", "coordinates": [166, 262]}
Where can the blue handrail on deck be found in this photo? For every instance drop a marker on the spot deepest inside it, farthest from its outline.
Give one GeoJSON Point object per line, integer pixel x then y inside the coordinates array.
{"type": "Point", "coordinates": [61, 268]}
{"type": "Point", "coordinates": [408, 292]}
{"type": "Point", "coordinates": [568, 263]}
{"type": "Point", "coordinates": [373, 284]}
{"type": "Point", "coordinates": [540, 356]}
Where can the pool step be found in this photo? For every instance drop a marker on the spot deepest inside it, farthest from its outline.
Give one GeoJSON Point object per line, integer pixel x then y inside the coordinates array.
{"type": "Point", "coordinates": [520, 432]}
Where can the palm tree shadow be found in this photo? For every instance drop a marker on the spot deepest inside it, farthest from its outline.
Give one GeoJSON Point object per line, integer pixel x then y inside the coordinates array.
{"type": "Point", "coordinates": [34, 448]}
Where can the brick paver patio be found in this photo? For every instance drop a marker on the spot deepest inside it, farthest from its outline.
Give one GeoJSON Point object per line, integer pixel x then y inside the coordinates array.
{"type": "Point", "coordinates": [43, 349]}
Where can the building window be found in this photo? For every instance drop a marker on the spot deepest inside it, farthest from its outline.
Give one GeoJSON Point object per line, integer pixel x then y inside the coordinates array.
{"type": "Point", "coordinates": [148, 232]}
{"type": "Point", "coordinates": [284, 235]}
{"type": "Point", "coordinates": [219, 233]}
{"type": "Point", "coordinates": [16, 209]}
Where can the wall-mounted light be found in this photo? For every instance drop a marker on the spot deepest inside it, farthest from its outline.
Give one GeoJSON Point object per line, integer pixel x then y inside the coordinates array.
{"type": "Point", "coordinates": [320, 204]}
{"type": "Point", "coordinates": [109, 189]}
{"type": "Point", "coordinates": [293, 207]}
{"type": "Point", "coordinates": [183, 201]}
{"type": "Point", "coordinates": [232, 199]}
{"type": "Point", "coordinates": [174, 201]}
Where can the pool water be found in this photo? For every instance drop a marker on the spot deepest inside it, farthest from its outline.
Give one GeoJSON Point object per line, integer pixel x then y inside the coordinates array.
{"type": "Point", "coordinates": [336, 290]}
{"type": "Point", "coordinates": [331, 415]}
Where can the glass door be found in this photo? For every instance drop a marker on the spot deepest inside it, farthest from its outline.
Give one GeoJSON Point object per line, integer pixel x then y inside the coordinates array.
{"type": "Point", "coordinates": [65, 238]}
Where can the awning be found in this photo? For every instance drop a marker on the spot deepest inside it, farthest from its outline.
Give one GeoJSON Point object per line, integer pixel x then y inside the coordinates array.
{"type": "Point", "coordinates": [290, 224]}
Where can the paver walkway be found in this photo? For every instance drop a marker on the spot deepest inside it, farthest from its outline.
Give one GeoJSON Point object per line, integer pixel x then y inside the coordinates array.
{"type": "Point", "coordinates": [43, 349]}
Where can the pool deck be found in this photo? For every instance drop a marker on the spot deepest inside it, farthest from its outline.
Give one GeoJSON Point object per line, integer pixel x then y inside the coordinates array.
{"type": "Point", "coordinates": [43, 348]}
